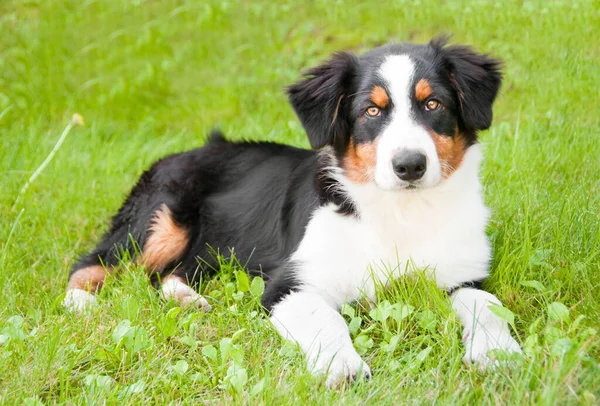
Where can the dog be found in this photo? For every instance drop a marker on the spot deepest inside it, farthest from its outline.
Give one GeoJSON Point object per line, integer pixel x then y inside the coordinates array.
{"type": "Point", "coordinates": [389, 187]}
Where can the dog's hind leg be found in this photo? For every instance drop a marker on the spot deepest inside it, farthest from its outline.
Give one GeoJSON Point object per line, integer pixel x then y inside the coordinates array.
{"type": "Point", "coordinates": [165, 246]}
{"type": "Point", "coordinates": [162, 239]}
{"type": "Point", "coordinates": [175, 286]}
{"type": "Point", "coordinates": [88, 274]}
{"type": "Point", "coordinates": [166, 242]}
{"type": "Point", "coordinates": [153, 226]}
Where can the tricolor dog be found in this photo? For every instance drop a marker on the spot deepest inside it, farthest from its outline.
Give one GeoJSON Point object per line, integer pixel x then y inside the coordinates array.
{"type": "Point", "coordinates": [390, 186]}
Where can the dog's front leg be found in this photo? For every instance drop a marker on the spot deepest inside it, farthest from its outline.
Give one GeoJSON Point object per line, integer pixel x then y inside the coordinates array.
{"type": "Point", "coordinates": [308, 319]}
{"type": "Point", "coordinates": [483, 330]}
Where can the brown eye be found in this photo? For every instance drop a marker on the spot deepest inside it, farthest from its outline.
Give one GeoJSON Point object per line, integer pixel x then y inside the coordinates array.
{"type": "Point", "coordinates": [432, 104]}
{"type": "Point", "coordinates": [373, 112]}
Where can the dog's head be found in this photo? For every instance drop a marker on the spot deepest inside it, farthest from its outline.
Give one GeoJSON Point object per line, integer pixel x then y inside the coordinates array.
{"type": "Point", "coordinates": [401, 115]}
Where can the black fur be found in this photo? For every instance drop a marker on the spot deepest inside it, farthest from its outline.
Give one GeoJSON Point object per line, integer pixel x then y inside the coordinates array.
{"type": "Point", "coordinates": [330, 190]}
{"type": "Point", "coordinates": [229, 196]}
{"type": "Point", "coordinates": [476, 284]}
{"type": "Point", "coordinates": [477, 79]}
{"type": "Point", "coordinates": [321, 100]}
{"type": "Point", "coordinates": [281, 283]}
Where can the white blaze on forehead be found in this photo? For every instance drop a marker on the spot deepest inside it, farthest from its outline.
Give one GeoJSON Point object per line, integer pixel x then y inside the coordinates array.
{"type": "Point", "coordinates": [398, 72]}
{"type": "Point", "coordinates": [403, 131]}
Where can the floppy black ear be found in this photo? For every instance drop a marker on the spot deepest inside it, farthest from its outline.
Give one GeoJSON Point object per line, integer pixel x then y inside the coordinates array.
{"type": "Point", "coordinates": [321, 99]}
{"type": "Point", "coordinates": [477, 79]}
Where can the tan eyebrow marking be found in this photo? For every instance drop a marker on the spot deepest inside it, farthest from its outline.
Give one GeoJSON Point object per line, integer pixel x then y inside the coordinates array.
{"type": "Point", "coordinates": [380, 97]}
{"type": "Point", "coordinates": [422, 90]}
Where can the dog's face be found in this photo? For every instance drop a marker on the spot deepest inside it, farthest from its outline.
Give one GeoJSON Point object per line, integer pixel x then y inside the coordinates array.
{"type": "Point", "coordinates": [401, 115]}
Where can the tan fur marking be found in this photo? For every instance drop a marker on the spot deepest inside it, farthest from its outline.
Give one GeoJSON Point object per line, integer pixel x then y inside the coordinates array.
{"type": "Point", "coordinates": [380, 97]}
{"type": "Point", "coordinates": [89, 279]}
{"type": "Point", "coordinates": [450, 151]}
{"type": "Point", "coordinates": [422, 90]}
{"type": "Point", "coordinates": [359, 161]}
{"type": "Point", "coordinates": [166, 242]}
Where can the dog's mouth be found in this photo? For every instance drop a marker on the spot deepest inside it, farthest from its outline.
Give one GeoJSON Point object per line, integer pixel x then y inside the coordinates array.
{"type": "Point", "coordinates": [415, 187]}
{"type": "Point", "coordinates": [405, 186]}
{"type": "Point", "coordinates": [401, 186]}
{"type": "Point", "coordinates": [411, 186]}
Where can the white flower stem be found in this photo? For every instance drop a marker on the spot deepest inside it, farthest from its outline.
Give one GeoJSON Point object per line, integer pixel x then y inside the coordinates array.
{"type": "Point", "coordinates": [39, 170]}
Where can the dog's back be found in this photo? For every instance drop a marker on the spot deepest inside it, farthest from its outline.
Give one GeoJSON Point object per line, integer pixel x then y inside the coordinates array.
{"type": "Point", "coordinates": [252, 199]}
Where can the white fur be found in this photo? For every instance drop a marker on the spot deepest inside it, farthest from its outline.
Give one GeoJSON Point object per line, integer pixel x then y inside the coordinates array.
{"type": "Point", "coordinates": [78, 300]}
{"type": "Point", "coordinates": [440, 229]}
{"type": "Point", "coordinates": [308, 319]}
{"type": "Point", "coordinates": [483, 330]}
{"type": "Point", "coordinates": [183, 294]}
{"type": "Point", "coordinates": [403, 132]}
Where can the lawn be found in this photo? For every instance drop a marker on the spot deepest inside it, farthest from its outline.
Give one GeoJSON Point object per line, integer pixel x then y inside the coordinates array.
{"type": "Point", "coordinates": [153, 77]}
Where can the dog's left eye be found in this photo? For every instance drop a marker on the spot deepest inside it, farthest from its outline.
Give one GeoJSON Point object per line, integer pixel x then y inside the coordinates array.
{"type": "Point", "coordinates": [432, 104]}
{"type": "Point", "coordinates": [373, 111]}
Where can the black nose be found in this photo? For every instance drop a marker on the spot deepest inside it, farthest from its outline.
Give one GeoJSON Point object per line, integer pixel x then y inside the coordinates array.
{"type": "Point", "coordinates": [409, 165]}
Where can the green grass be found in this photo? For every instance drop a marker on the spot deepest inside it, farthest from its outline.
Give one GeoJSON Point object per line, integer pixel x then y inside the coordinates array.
{"type": "Point", "coordinates": [152, 77]}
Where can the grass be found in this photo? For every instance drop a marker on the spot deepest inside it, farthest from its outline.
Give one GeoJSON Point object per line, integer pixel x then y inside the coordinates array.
{"type": "Point", "coordinates": [152, 77]}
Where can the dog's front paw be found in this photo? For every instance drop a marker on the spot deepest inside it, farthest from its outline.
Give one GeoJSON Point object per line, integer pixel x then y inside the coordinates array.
{"type": "Point", "coordinates": [78, 300]}
{"type": "Point", "coordinates": [479, 347]}
{"type": "Point", "coordinates": [344, 365]}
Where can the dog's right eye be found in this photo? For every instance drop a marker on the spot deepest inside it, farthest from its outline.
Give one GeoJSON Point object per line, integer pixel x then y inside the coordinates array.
{"type": "Point", "coordinates": [373, 111]}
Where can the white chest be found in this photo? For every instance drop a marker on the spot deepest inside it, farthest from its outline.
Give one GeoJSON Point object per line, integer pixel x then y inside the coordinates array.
{"type": "Point", "coordinates": [439, 230]}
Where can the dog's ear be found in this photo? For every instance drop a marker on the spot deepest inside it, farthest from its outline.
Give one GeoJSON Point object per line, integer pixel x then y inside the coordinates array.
{"type": "Point", "coordinates": [322, 99]}
{"type": "Point", "coordinates": [477, 79]}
